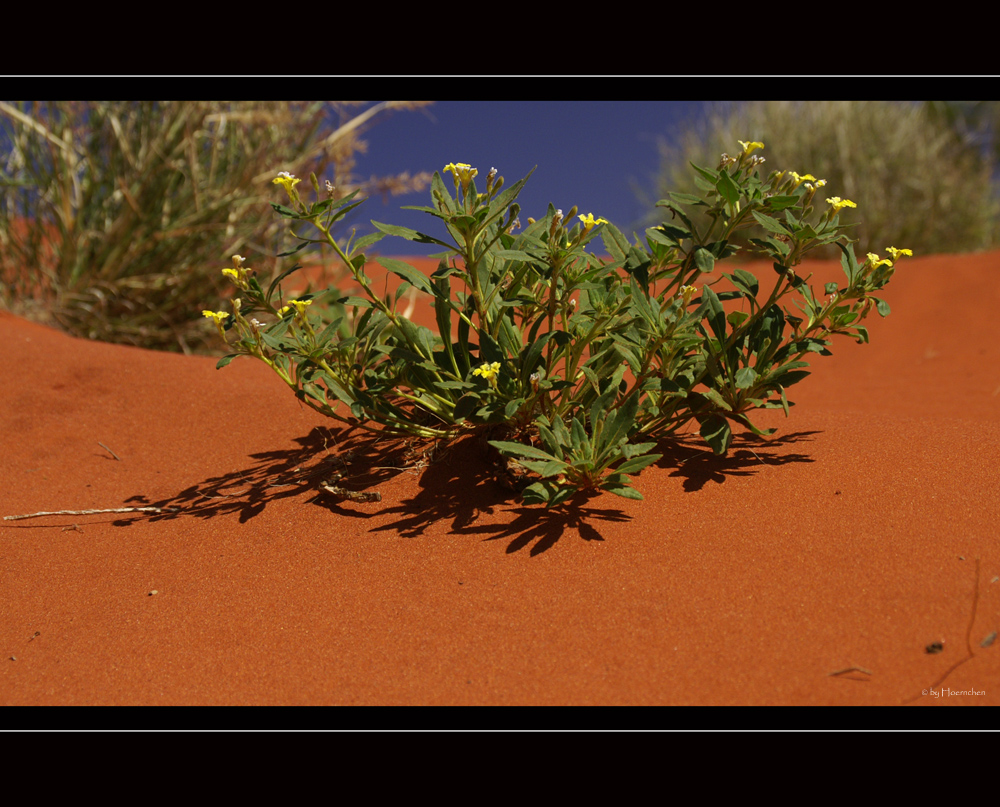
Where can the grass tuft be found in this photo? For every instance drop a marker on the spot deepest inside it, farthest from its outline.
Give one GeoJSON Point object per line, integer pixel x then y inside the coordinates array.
{"type": "Point", "coordinates": [921, 174]}
{"type": "Point", "coordinates": [117, 217]}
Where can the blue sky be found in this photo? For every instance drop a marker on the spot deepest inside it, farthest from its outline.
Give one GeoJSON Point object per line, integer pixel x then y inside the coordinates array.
{"type": "Point", "coordinates": [588, 153]}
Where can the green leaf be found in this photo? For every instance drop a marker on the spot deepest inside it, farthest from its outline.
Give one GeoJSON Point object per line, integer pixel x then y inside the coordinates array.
{"type": "Point", "coordinates": [408, 273]}
{"type": "Point", "coordinates": [745, 281]}
{"type": "Point", "coordinates": [517, 255]}
{"type": "Point", "coordinates": [741, 418]}
{"type": "Point", "coordinates": [745, 378]}
{"type": "Point", "coordinates": [711, 176]}
{"type": "Point", "coordinates": [714, 313]}
{"type": "Point", "coordinates": [616, 243]}
{"type": "Point", "coordinates": [520, 450]}
{"type": "Point", "coordinates": [624, 491]}
{"type": "Point", "coordinates": [545, 469]}
{"type": "Point", "coordinates": [737, 318]}
{"type": "Point", "coordinates": [668, 235]}
{"type": "Point", "coordinates": [704, 260]}
{"type": "Point", "coordinates": [770, 224]}
{"type": "Point", "coordinates": [225, 360]}
{"type": "Point", "coordinates": [617, 427]}
{"type": "Point", "coordinates": [850, 264]}
{"type": "Point", "coordinates": [636, 464]}
{"type": "Point", "coordinates": [717, 433]}
{"type": "Point", "coordinates": [683, 198]}
{"type": "Point", "coordinates": [580, 440]}
{"type": "Point", "coordinates": [278, 279]}
{"type": "Point", "coordinates": [507, 195]}
{"type": "Point", "coordinates": [408, 234]}
{"type": "Point", "coordinates": [286, 212]}
{"type": "Point", "coordinates": [356, 302]}
{"type": "Point", "coordinates": [641, 304]}
{"type": "Point", "coordinates": [727, 188]}
{"type": "Point", "coordinates": [881, 306]}
{"type": "Point", "coordinates": [299, 248]}
{"type": "Point", "coordinates": [777, 203]}
{"type": "Point", "coordinates": [366, 241]}
{"type": "Point", "coordinates": [538, 493]}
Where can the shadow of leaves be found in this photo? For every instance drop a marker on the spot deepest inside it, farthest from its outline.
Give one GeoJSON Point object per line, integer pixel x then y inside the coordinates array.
{"type": "Point", "coordinates": [693, 461]}
{"type": "Point", "coordinates": [458, 485]}
{"type": "Point", "coordinates": [461, 488]}
{"type": "Point", "coordinates": [355, 459]}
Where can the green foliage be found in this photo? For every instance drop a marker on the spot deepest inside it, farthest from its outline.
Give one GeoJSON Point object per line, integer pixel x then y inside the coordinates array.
{"type": "Point", "coordinates": [578, 363]}
{"type": "Point", "coordinates": [113, 214]}
{"type": "Point", "coordinates": [922, 174]}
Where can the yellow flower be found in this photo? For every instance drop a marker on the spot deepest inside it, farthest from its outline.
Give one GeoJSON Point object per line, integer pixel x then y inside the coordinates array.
{"type": "Point", "coordinates": [687, 292]}
{"type": "Point", "coordinates": [838, 203]}
{"type": "Point", "coordinates": [748, 148]}
{"type": "Point", "coordinates": [286, 180]}
{"type": "Point", "coordinates": [232, 273]}
{"type": "Point", "coordinates": [219, 317]}
{"type": "Point", "coordinates": [488, 371]}
{"type": "Point", "coordinates": [589, 222]}
{"type": "Point", "coordinates": [876, 262]}
{"type": "Point", "coordinates": [463, 173]}
{"type": "Point", "coordinates": [800, 179]}
{"type": "Point", "coordinates": [299, 305]}
{"type": "Point", "coordinates": [897, 252]}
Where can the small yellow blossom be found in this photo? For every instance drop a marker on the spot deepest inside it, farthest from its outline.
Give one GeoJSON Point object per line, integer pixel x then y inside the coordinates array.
{"type": "Point", "coordinates": [897, 252]}
{"type": "Point", "coordinates": [876, 262]}
{"type": "Point", "coordinates": [687, 292]}
{"type": "Point", "coordinates": [800, 179]}
{"type": "Point", "coordinates": [286, 180]}
{"type": "Point", "coordinates": [748, 148]}
{"type": "Point", "coordinates": [299, 305]}
{"type": "Point", "coordinates": [838, 203]}
{"type": "Point", "coordinates": [232, 273]}
{"type": "Point", "coordinates": [589, 222]}
{"type": "Point", "coordinates": [488, 371]}
{"type": "Point", "coordinates": [463, 173]}
{"type": "Point", "coordinates": [219, 317]}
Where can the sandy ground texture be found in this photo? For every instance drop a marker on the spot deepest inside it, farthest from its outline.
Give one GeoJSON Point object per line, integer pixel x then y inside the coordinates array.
{"type": "Point", "coordinates": [816, 568]}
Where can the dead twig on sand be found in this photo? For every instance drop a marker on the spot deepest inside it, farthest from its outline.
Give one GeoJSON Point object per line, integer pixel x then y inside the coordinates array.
{"type": "Point", "coordinates": [92, 512]}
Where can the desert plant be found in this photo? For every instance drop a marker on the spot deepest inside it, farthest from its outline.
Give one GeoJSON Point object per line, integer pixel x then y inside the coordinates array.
{"type": "Point", "coordinates": [112, 213]}
{"type": "Point", "coordinates": [920, 172]}
{"type": "Point", "coordinates": [574, 364]}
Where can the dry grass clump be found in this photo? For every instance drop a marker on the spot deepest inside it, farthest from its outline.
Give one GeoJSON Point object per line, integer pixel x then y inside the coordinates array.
{"type": "Point", "coordinates": [919, 178]}
{"type": "Point", "coordinates": [116, 217]}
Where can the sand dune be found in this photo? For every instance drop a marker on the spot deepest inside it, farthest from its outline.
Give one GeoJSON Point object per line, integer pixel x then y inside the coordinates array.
{"type": "Point", "coordinates": [813, 569]}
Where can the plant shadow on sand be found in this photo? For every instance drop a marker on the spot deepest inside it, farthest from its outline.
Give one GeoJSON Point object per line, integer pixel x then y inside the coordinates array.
{"type": "Point", "coordinates": [458, 484]}
{"type": "Point", "coordinates": [695, 463]}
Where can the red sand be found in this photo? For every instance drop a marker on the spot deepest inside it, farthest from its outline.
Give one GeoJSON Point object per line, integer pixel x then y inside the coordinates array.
{"type": "Point", "coordinates": [851, 539]}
